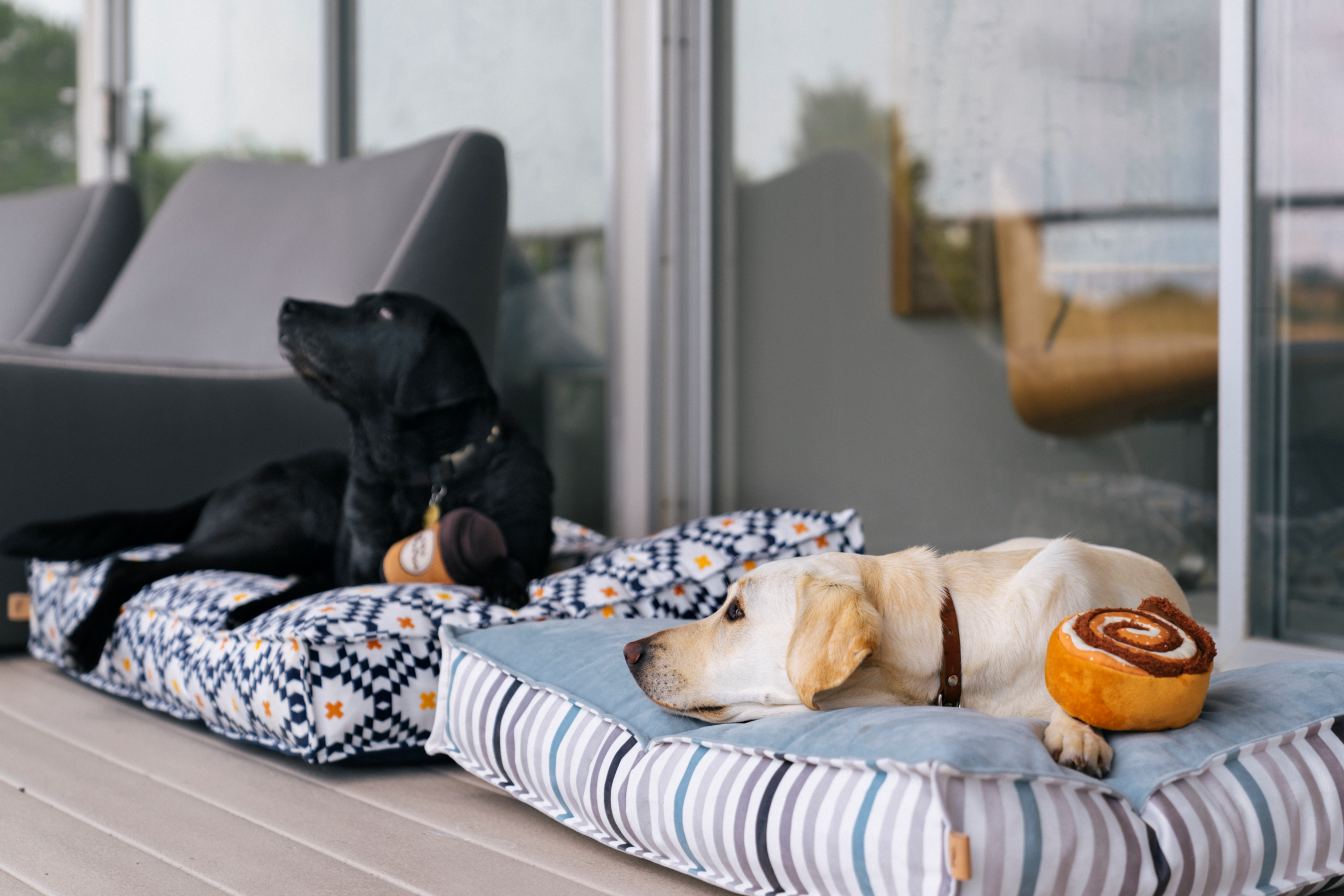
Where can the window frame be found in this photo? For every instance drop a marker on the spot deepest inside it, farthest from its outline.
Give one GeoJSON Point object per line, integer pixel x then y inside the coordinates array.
{"type": "Point", "coordinates": [668, 101]}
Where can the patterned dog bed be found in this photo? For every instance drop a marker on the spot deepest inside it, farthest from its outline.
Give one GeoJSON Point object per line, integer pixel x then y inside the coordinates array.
{"type": "Point", "coordinates": [355, 670]}
{"type": "Point", "coordinates": [1248, 799]}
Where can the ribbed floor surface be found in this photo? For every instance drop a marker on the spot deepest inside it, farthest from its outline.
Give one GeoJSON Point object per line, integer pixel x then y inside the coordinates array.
{"type": "Point", "coordinates": [101, 796]}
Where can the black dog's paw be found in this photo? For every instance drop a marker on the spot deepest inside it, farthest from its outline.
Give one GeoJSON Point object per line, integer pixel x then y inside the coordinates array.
{"type": "Point", "coordinates": [506, 584]}
{"type": "Point", "coordinates": [84, 645]}
{"type": "Point", "coordinates": [252, 609]}
{"type": "Point", "coordinates": [245, 613]}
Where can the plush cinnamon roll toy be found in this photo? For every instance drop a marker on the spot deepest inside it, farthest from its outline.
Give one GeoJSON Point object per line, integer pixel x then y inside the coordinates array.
{"type": "Point", "coordinates": [1130, 670]}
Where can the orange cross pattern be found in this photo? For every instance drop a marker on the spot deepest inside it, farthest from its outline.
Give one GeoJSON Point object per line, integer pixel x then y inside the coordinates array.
{"type": "Point", "coordinates": [334, 710]}
{"type": "Point", "coordinates": [266, 705]}
{"type": "Point", "coordinates": [822, 542]}
{"type": "Point", "coordinates": [222, 643]}
{"type": "Point", "coordinates": [749, 565]}
{"type": "Point", "coordinates": [235, 704]}
{"type": "Point", "coordinates": [293, 642]}
{"type": "Point", "coordinates": [443, 595]}
{"type": "Point", "coordinates": [151, 612]}
{"type": "Point", "coordinates": [608, 612]}
{"type": "Point", "coordinates": [374, 644]}
{"type": "Point", "coordinates": [200, 702]}
{"type": "Point", "coordinates": [326, 609]}
{"type": "Point", "coordinates": [678, 591]}
{"type": "Point", "coordinates": [406, 622]}
{"type": "Point", "coordinates": [800, 528]}
{"type": "Point", "coordinates": [610, 591]}
{"type": "Point", "coordinates": [702, 561]}
{"type": "Point", "coordinates": [258, 644]}
{"type": "Point", "coordinates": [727, 523]}
{"type": "Point", "coordinates": [126, 664]}
{"type": "Point", "coordinates": [238, 597]}
{"type": "Point", "coordinates": [428, 700]}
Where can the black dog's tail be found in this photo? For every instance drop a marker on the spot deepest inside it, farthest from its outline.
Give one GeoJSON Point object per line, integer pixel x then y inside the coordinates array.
{"type": "Point", "coordinates": [89, 537]}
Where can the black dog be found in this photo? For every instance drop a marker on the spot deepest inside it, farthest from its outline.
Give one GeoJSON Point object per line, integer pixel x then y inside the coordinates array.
{"type": "Point", "coordinates": [425, 425]}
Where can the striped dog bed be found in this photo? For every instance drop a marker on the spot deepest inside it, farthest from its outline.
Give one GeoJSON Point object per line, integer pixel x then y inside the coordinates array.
{"type": "Point", "coordinates": [1248, 799]}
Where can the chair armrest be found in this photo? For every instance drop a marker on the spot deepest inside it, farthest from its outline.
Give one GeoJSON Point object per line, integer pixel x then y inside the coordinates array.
{"type": "Point", "coordinates": [85, 437]}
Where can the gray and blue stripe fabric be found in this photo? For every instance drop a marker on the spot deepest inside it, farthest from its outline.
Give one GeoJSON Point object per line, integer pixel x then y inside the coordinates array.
{"type": "Point", "coordinates": [1248, 800]}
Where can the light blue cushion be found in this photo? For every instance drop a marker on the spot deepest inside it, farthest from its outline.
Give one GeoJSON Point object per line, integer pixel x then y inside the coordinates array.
{"type": "Point", "coordinates": [582, 660]}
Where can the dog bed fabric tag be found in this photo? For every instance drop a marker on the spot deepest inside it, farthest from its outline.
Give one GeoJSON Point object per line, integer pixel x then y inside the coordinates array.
{"type": "Point", "coordinates": [959, 855]}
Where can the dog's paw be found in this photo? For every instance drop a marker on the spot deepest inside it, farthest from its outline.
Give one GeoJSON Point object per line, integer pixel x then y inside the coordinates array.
{"type": "Point", "coordinates": [506, 584]}
{"type": "Point", "coordinates": [1074, 744]}
{"type": "Point", "coordinates": [84, 645]}
{"type": "Point", "coordinates": [245, 613]}
{"type": "Point", "coordinates": [301, 588]}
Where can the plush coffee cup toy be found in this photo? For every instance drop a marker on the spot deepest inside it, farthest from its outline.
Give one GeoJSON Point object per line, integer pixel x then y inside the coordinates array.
{"type": "Point", "coordinates": [458, 549]}
{"type": "Point", "coordinates": [1130, 670]}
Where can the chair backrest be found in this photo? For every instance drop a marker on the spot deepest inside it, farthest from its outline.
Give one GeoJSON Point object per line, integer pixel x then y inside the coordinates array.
{"type": "Point", "coordinates": [233, 239]}
{"type": "Point", "coordinates": [60, 250]}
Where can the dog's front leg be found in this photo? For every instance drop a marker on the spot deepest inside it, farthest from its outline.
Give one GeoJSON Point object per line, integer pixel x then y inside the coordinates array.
{"type": "Point", "coordinates": [1075, 744]}
{"type": "Point", "coordinates": [124, 579]}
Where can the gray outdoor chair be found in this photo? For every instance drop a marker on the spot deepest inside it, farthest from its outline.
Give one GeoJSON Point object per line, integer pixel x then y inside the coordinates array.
{"type": "Point", "coordinates": [177, 384]}
{"type": "Point", "coordinates": [60, 250]}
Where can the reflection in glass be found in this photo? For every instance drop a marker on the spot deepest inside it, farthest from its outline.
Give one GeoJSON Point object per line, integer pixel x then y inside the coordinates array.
{"type": "Point", "coordinates": [977, 256]}
{"type": "Point", "coordinates": [531, 72]}
{"type": "Point", "coordinates": [1298, 326]}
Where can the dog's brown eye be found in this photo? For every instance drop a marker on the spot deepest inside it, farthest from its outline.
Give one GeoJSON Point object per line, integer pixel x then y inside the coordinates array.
{"type": "Point", "coordinates": [385, 313]}
{"type": "Point", "coordinates": [734, 612]}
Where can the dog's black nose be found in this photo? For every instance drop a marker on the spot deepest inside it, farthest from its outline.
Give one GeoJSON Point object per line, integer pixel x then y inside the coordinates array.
{"type": "Point", "coordinates": [289, 308]}
{"type": "Point", "coordinates": [634, 652]}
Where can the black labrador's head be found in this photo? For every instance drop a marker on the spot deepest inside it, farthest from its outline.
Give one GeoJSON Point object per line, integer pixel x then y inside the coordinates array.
{"type": "Point", "coordinates": [388, 350]}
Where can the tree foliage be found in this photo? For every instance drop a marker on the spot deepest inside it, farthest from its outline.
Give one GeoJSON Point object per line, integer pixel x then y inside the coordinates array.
{"type": "Point", "coordinates": [37, 118]}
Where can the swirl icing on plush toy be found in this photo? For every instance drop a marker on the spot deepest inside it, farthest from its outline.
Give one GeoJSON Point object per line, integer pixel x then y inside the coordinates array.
{"type": "Point", "coordinates": [1130, 670]}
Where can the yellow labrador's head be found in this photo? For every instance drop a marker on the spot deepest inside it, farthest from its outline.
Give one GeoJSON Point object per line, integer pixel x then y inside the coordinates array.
{"type": "Point", "coordinates": [785, 632]}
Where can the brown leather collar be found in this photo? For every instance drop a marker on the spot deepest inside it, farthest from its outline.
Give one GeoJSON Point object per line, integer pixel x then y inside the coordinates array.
{"type": "Point", "coordinates": [949, 682]}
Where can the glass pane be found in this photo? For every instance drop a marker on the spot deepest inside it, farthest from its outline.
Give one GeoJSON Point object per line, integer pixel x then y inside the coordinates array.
{"type": "Point", "coordinates": [977, 260]}
{"type": "Point", "coordinates": [1298, 561]}
{"type": "Point", "coordinates": [37, 93]}
{"type": "Point", "coordinates": [239, 78]}
{"type": "Point", "coordinates": [531, 72]}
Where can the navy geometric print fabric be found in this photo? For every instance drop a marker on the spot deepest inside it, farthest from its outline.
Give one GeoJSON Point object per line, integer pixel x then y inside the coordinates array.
{"type": "Point", "coordinates": [355, 670]}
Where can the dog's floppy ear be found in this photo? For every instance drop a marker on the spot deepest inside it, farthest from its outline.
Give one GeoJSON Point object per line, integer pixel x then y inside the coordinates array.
{"type": "Point", "coordinates": [837, 628]}
{"type": "Point", "coordinates": [447, 371]}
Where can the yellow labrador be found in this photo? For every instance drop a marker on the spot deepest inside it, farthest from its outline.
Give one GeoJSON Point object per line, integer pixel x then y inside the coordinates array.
{"type": "Point", "coordinates": [835, 630]}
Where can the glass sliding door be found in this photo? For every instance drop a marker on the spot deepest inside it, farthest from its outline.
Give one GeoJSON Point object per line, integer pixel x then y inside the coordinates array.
{"type": "Point", "coordinates": [530, 71]}
{"type": "Point", "coordinates": [976, 251]}
{"type": "Point", "coordinates": [238, 78]}
{"type": "Point", "coordinates": [1297, 582]}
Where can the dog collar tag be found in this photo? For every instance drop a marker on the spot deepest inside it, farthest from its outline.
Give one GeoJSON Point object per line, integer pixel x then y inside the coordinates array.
{"type": "Point", "coordinates": [949, 687]}
{"type": "Point", "coordinates": [432, 512]}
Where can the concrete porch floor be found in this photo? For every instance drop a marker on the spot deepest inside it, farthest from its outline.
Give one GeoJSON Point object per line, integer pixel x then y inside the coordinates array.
{"type": "Point", "coordinates": [99, 795]}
